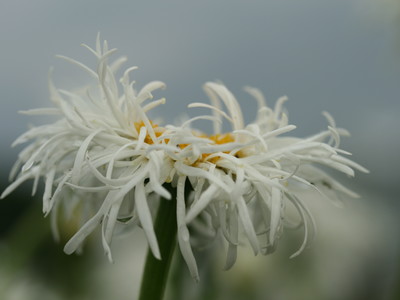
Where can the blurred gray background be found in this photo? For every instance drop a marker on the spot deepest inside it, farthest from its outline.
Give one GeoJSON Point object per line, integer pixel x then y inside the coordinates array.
{"type": "Point", "coordinates": [342, 56]}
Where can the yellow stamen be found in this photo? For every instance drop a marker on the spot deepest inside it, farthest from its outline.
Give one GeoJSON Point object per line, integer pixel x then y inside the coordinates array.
{"type": "Point", "coordinates": [157, 130]}
{"type": "Point", "coordinates": [218, 139]}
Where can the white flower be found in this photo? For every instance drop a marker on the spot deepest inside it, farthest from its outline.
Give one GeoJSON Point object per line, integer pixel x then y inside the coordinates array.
{"type": "Point", "coordinates": [96, 156]}
{"type": "Point", "coordinates": [106, 158]}
{"type": "Point", "coordinates": [245, 180]}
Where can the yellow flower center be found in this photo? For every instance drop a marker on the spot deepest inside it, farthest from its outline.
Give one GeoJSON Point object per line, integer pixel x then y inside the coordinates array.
{"type": "Point", "coordinates": [157, 130]}
{"type": "Point", "coordinates": [218, 139]}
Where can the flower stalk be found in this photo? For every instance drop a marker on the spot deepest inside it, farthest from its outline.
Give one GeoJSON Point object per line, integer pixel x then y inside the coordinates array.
{"type": "Point", "coordinates": [156, 271]}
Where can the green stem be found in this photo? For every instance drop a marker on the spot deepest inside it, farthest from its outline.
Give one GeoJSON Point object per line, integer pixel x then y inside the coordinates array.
{"type": "Point", "coordinates": [156, 271]}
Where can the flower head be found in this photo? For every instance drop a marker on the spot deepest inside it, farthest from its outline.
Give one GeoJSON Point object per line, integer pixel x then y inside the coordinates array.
{"type": "Point", "coordinates": [105, 155]}
{"type": "Point", "coordinates": [246, 180]}
{"type": "Point", "coordinates": [97, 154]}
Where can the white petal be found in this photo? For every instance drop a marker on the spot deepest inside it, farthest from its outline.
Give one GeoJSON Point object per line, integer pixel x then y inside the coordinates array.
{"type": "Point", "coordinates": [276, 206]}
{"type": "Point", "coordinates": [183, 232]}
{"type": "Point", "coordinates": [80, 156]}
{"type": "Point", "coordinates": [145, 219]}
{"type": "Point", "coordinates": [17, 182]}
{"type": "Point", "coordinates": [203, 201]}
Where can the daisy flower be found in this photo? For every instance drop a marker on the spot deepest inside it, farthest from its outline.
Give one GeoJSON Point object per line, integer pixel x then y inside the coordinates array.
{"type": "Point", "coordinates": [95, 158]}
{"type": "Point", "coordinates": [106, 162]}
{"type": "Point", "coordinates": [245, 180]}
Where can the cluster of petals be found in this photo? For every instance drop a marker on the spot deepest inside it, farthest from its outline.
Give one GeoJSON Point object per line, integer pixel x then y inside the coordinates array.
{"type": "Point", "coordinates": [105, 158]}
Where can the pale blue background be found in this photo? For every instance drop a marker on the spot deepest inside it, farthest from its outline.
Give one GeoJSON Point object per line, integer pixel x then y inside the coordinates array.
{"type": "Point", "coordinates": [342, 56]}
